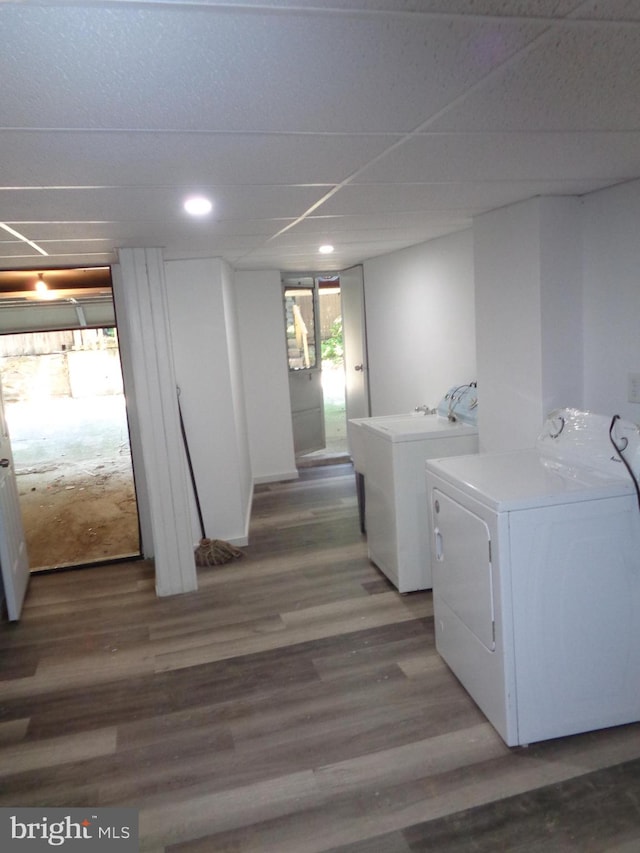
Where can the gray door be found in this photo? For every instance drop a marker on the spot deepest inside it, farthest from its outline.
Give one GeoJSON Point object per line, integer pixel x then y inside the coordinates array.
{"type": "Point", "coordinates": [356, 371]}
{"type": "Point", "coordinates": [305, 364]}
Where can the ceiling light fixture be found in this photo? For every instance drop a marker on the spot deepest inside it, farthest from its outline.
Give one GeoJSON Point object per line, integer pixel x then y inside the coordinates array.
{"type": "Point", "coordinates": [326, 249]}
{"type": "Point", "coordinates": [198, 205]}
{"type": "Point", "coordinates": [41, 285]}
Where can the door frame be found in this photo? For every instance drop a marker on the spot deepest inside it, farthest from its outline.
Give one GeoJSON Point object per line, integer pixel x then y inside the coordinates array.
{"type": "Point", "coordinates": [73, 314]}
{"type": "Point", "coordinates": [356, 363]}
{"type": "Point", "coordinates": [14, 560]}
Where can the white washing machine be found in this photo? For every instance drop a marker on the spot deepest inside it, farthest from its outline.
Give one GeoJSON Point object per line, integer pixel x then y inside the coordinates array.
{"type": "Point", "coordinates": [356, 442]}
{"type": "Point", "coordinates": [395, 494]}
{"type": "Point", "coordinates": [536, 578]}
{"type": "Point", "coordinates": [355, 438]}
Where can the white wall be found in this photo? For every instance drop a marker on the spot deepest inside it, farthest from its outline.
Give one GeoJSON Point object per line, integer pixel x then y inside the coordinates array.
{"type": "Point", "coordinates": [612, 298]}
{"type": "Point", "coordinates": [203, 331]}
{"type": "Point", "coordinates": [245, 480]}
{"type": "Point", "coordinates": [266, 378]}
{"type": "Point", "coordinates": [528, 311]}
{"type": "Point", "coordinates": [420, 323]}
{"type": "Point", "coordinates": [561, 318]}
{"type": "Point", "coordinates": [507, 273]}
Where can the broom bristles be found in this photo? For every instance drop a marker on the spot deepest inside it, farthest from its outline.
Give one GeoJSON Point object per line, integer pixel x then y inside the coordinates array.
{"type": "Point", "coordinates": [214, 552]}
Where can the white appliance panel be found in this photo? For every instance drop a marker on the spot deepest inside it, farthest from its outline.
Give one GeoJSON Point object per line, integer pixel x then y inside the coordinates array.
{"type": "Point", "coordinates": [462, 566]}
{"type": "Point", "coordinates": [481, 672]}
{"type": "Point", "coordinates": [357, 450]}
{"type": "Point", "coordinates": [566, 596]}
{"type": "Point", "coordinates": [419, 428]}
{"type": "Point", "coordinates": [382, 520]}
{"type": "Point", "coordinates": [521, 479]}
{"type": "Point", "coordinates": [485, 669]}
{"type": "Point", "coordinates": [355, 437]}
{"type": "Point", "coordinates": [398, 538]}
{"type": "Point", "coordinates": [576, 600]}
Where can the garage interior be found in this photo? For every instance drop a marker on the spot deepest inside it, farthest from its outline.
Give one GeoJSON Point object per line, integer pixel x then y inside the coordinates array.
{"type": "Point", "coordinates": [65, 407]}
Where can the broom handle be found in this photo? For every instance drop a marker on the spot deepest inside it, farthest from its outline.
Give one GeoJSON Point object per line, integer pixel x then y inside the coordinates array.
{"type": "Point", "coordinates": [190, 464]}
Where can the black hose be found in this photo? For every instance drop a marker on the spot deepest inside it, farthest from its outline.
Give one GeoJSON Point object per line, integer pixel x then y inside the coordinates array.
{"type": "Point", "coordinates": [624, 461]}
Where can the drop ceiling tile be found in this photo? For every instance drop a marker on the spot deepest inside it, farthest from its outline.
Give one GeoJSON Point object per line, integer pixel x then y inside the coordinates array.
{"type": "Point", "coordinates": [346, 236]}
{"type": "Point", "coordinates": [297, 260]}
{"type": "Point", "coordinates": [202, 68]}
{"type": "Point", "coordinates": [117, 231]}
{"type": "Point", "coordinates": [583, 77]}
{"type": "Point", "coordinates": [68, 158]}
{"type": "Point", "coordinates": [379, 220]}
{"type": "Point", "coordinates": [494, 156]}
{"type": "Point", "coordinates": [215, 244]}
{"type": "Point", "coordinates": [612, 10]}
{"type": "Point", "coordinates": [17, 250]}
{"type": "Point", "coordinates": [157, 204]}
{"type": "Point", "coordinates": [465, 197]}
{"type": "Point", "coordinates": [27, 258]}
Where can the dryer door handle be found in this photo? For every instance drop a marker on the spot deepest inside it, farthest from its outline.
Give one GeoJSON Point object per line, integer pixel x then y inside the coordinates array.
{"type": "Point", "coordinates": [438, 545]}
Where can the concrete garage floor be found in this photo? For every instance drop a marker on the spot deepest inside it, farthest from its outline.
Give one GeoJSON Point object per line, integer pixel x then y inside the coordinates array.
{"type": "Point", "coordinates": [73, 466]}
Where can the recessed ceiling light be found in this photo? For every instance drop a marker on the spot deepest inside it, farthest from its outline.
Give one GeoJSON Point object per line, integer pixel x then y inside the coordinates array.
{"type": "Point", "coordinates": [326, 249]}
{"type": "Point", "coordinates": [198, 205]}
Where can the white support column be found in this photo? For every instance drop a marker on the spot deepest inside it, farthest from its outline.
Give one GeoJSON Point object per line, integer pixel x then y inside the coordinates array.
{"type": "Point", "coordinates": [142, 310]}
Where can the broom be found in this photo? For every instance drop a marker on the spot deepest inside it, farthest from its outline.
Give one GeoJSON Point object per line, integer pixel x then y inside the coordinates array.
{"type": "Point", "coordinates": [209, 552]}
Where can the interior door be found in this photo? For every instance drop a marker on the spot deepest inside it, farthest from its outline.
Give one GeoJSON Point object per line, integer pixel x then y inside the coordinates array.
{"type": "Point", "coordinates": [356, 370]}
{"type": "Point", "coordinates": [14, 562]}
{"type": "Point", "coordinates": [305, 365]}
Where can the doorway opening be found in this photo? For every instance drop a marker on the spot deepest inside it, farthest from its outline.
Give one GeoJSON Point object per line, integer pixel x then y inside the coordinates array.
{"type": "Point", "coordinates": [65, 408]}
{"type": "Point", "coordinates": [332, 353]}
{"type": "Point", "coordinates": [313, 318]}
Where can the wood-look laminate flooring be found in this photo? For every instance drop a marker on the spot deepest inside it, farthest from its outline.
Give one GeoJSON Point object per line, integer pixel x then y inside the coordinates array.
{"type": "Point", "coordinates": [294, 704]}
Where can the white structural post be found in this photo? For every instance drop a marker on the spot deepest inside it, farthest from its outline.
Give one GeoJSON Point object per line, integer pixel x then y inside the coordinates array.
{"type": "Point", "coordinates": [143, 318]}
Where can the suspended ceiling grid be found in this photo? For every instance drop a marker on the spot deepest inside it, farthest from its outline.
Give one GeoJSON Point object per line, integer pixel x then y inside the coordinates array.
{"type": "Point", "coordinates": [372, 125]}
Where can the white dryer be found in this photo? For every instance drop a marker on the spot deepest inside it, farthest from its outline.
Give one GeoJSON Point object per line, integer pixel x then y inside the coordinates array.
{"type": "Point", "coordinates": [397, 536]}
{"type": "Point", "coordinates": [536, 577]}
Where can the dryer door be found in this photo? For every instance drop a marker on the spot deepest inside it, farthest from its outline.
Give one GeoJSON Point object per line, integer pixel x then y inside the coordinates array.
{"type": "Point", "coordinates": [462, 572]}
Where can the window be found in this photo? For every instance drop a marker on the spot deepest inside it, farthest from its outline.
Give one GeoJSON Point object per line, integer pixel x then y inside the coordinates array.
{"type": "Point", "coordinates": [299, 305]}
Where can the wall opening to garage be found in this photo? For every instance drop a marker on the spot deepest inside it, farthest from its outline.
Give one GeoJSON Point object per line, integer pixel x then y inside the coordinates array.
{"type": "Point", "coordinates": [66, 412]}
{"type": "Point", "coordinates": [64, 404]}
